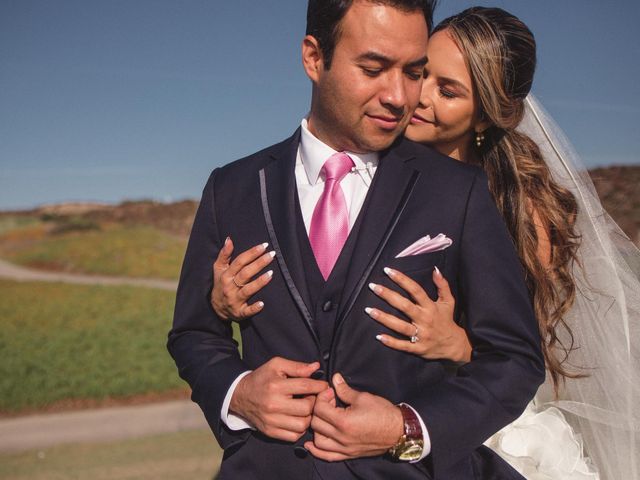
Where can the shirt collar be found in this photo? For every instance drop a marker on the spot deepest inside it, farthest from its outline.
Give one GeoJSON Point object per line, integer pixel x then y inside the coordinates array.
{"type": "Point", "coordinates": [314, 152]}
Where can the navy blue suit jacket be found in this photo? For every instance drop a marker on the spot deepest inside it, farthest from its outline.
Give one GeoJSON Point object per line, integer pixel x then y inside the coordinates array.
{"type": "Point", "coordinates": [415, 192]}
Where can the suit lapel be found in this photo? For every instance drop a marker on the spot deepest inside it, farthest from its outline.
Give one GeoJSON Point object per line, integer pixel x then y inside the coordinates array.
{"type": "Point", "coordinates": [389, 193]}
{"type": "Point", "coordinates": [279, 196]}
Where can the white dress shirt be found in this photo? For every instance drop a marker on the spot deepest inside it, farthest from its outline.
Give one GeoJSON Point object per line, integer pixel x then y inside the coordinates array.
{"type": "Point", "coordinates": [312, 153]}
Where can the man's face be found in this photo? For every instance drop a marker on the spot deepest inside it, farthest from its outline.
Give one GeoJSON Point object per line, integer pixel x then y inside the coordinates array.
{"type": "Point", "coordinates": [367, 97]}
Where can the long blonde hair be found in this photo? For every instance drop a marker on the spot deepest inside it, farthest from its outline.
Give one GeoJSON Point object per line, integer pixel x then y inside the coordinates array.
{"type": "Point", "coordinates": [501, 55]}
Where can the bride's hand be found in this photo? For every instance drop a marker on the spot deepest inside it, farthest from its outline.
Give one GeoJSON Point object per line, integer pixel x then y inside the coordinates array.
{"type": "Point", "coordinates": [433, 334]}
{"type": "Point", "coordinates": [233, 283]}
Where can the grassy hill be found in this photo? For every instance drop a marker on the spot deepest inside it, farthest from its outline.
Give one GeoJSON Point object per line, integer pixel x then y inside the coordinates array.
{"type": "Point", "coordinates": [133, 239]}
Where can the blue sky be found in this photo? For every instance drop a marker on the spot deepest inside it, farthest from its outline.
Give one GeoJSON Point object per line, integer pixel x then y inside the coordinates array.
{"type": "Point", "coordinates": [106, 100]}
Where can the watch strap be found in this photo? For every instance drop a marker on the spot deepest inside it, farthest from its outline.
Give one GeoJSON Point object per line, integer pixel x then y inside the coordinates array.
{"type": "Point", "coordinates": [412, 427]}
{"type": "Point", "coordinates": [410, 445]}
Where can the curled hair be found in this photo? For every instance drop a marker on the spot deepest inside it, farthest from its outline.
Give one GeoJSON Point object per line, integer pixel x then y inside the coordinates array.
{"type": "Point", "coordinates": [324, 18]}
{"type": "Point", "coordinates": [501, 55]}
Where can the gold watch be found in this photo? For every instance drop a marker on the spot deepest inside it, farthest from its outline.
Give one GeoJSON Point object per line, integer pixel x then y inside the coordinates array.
{"type": "Point", "coordinates": [411, 443]}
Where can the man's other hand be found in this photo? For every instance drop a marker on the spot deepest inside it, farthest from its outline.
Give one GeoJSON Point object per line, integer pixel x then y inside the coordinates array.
{"type": "Point", "coordinates": [278, 398]}
{"type": "Point", "coordinates": [369, 426]}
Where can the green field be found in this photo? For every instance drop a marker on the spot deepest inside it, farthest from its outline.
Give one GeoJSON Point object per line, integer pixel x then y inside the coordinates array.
{"type": "Point", "coordinates": [119, 250]}
{"type": "Point", "coordinates": [179, 456]}
{"type": "Point", "coordinates": [60, 341]}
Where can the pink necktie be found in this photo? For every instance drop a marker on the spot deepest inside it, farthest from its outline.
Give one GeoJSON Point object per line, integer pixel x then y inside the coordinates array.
{"type": "Point", "coordinates": [330, 221]}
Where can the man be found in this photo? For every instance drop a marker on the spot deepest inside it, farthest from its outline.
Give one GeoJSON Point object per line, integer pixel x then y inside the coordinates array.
{"type": "Point", "coordinates": [337, 202]}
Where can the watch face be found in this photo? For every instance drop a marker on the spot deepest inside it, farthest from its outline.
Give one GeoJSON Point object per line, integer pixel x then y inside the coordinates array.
{"type": "Point", "coordinates": [411, 450]}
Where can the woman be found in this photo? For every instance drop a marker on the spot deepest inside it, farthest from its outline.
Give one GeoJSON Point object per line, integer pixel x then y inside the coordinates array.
{"type": "Point", "coordinates": [474, 98]}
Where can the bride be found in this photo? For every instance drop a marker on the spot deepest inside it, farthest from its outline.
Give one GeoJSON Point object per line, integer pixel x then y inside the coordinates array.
{"type": "Point", "coordinates": [581, 270]}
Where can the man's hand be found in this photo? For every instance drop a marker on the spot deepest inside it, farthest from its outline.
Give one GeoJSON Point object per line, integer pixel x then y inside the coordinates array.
{"type": "Point", "coordinates": [278, 398]}
{"type": "Point", "coordinates": [369, 426]}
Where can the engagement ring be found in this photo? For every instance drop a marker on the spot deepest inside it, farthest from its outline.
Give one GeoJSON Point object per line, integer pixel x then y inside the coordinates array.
{"type": "Point", "coordinates": [414, 338]}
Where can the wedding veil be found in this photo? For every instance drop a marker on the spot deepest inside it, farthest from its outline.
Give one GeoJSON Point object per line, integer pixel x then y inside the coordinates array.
{"type": "Point", "coordinates": [604, 407]}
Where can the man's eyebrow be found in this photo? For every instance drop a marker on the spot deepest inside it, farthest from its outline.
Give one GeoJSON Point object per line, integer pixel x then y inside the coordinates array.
{"type": "Point", "coordinates": [383, 59]}
{"type": "Point", "coordinates": [375, 57]}
{"type": "Point", "coordinates": [418, 63]}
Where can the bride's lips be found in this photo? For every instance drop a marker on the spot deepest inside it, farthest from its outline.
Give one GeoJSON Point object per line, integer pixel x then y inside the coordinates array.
{"type": "Point", "coordinates": [417, 119]}
{"type": "Point", "coordinates": [385, 122]}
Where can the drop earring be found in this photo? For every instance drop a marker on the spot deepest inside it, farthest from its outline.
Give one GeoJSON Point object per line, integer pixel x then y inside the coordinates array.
{"type": "Point", "coordinates": [479, 139]}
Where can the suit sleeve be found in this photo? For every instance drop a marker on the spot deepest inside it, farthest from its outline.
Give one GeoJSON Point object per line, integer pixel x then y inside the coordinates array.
{"type": "Point", "coordinates": [201, 344]}
{"type": "Point", "coordinates": [507, 366]}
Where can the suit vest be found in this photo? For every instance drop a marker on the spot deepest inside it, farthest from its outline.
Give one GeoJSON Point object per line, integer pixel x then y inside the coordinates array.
{"type": "Point", "coordinates": [325, 296]}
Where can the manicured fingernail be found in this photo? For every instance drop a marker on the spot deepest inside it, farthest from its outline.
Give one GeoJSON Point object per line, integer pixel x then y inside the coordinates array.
{"type": "Point", "coordinates": [272, 253]}
{"type": "Point", "coordinates": [438, 272]}
{"type": "Point", "coordinates": [389, 271]}
{"type": "Point", "coordinates": [371, 312]}
{"type": "Point", "coordinates": [270, 273]}
{"type": "Point", "coordinates": [260, 304]}
{"type": "Point", "coordinates": [226, 241]}
{"type": "Point", "coordinates": [374, 287]}
{"type": "Point", "coordinates": [337, 379]}
{"type": "Point", "coordinates": [380, 338]}
{"type": "Point", "coordinates": [264, 245]}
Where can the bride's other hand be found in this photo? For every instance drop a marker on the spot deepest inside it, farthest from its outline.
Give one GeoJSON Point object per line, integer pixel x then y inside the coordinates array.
{"type": "Point", "coordinates": [432, 333]}
{"type": "Point", "coordinates": [233, 282]}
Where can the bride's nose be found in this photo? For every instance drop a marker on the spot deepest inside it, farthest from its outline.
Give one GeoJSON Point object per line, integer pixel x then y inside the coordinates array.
{"type": "Point", "coordinates": [425, 105]}
{"type": "Point", "coordinates": [425, 98]}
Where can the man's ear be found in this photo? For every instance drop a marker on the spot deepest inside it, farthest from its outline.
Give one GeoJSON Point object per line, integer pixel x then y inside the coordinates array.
{"type": "Point", "coordinates": [312, 58]}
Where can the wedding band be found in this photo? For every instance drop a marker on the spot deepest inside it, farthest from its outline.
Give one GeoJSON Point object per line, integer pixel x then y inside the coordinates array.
{"type": "Point", "coordinates": [414, 338]}
{"type": "Point", "coordinates": [233, 279]}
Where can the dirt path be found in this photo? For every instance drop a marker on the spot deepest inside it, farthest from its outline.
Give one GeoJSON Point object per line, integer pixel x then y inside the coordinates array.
{"type": "Point", "coordinates": [105, 424]}
{"type": "Point", "coordinates": [24, 274]}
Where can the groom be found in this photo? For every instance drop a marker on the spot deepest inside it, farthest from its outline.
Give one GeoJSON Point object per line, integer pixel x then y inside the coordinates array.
{"type": "Point", "coordinates": [337, 202]}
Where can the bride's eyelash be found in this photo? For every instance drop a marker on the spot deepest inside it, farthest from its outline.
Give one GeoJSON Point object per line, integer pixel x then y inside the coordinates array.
{"type": "Point", "coordinates": [446, 93]}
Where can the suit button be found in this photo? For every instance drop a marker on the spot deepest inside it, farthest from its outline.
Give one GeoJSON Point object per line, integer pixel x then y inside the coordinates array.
{"type": "Point", "coordinates": [300, 452]}
{"type": "Point", "coordinates": [318, 375]}
{"type": "Point", "coordinates": [326, 356]}
{"type": "Point", "coordinates": [327, 306]}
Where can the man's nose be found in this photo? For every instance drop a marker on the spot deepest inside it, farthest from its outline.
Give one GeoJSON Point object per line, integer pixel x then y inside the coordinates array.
{"type": "Point", "coordinates": [394, 95]}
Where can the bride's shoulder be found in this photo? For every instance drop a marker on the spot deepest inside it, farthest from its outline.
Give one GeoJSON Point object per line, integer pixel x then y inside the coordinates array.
{"type": "Point", "coordinates": [426, 158]}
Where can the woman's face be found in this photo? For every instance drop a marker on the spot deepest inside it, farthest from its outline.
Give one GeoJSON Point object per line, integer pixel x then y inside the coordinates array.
{"type": "Point", "coordinates": [446, 117]}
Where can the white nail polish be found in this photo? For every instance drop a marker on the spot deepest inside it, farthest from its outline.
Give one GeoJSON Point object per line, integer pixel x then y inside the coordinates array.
{"type": "Point", "coordinates": [260, 304]}
{"type": "Point", "coordinates": [270, 273]}
{"type": "Point", "coordinates": [388, 271]}
{"type": "Point", "coordinates": [372, 286]}
{"type": "Point", "coordinates": [437, 270]}
{"type": "Point", "coordinates": [368, 310]}
{"type": "Point", "coordinates": [272, 253]}
{"type": "Point", "coordinates": [265, 245]}
{"type": "Point", "coordinates": [379, 338]}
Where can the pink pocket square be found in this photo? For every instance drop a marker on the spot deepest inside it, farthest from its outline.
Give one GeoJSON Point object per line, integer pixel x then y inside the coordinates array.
{"type": "Point", "coordinates": [426, 244]}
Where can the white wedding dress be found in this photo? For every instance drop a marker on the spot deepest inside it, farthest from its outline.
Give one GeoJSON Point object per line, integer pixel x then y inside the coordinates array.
{"type": "Point", "coordinates": [541, 445]}
{"type": "Point", "coordinates": [592, 430]}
